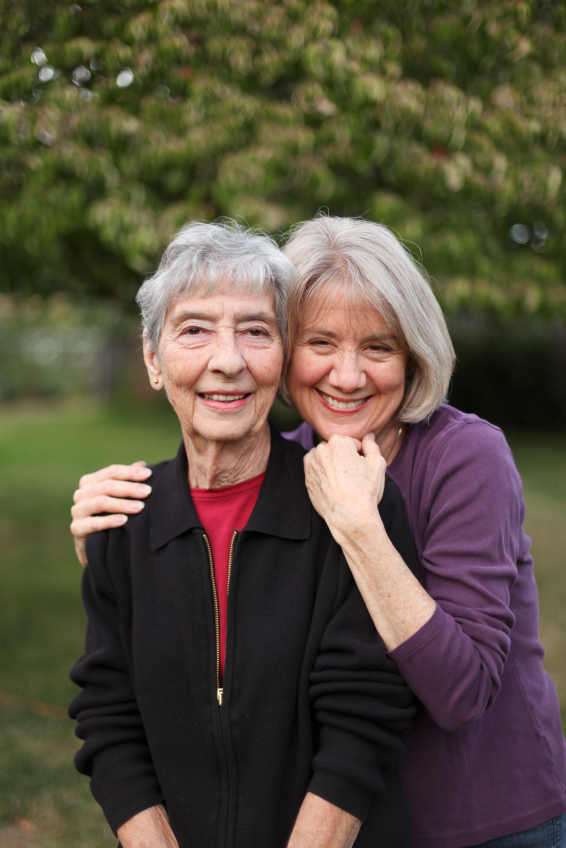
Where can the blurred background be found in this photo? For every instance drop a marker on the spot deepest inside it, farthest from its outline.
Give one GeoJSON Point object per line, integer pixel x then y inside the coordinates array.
{"type": "Point", "coordinates": [121, 121]}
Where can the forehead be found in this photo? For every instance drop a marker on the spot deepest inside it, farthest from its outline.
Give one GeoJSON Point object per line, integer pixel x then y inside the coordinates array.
{"type": "Point", "coordinates": [224, 301]}
{"type": "Point", "coordinates": [343, 311]}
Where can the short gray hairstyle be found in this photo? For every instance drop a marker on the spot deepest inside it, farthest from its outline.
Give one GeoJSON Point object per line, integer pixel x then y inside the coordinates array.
{"type": "Point", "coordinates": [201, 256]}
{"type": "Point", "coordinates": [376, 268]}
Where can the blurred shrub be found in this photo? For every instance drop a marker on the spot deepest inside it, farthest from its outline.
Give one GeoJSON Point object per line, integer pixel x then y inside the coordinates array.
{"type": "Point", "coordinates": [512, 374]}
{"type": "Point", "coordinates": [53, 348]}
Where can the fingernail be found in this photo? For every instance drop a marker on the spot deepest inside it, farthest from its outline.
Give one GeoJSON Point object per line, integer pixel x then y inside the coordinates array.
{"type": "Point", "coordinates": [138, 504]}
{"type": "Point", "coordinates": [120, 519]}
{"type": "Point", "coordinates": [144, 490]}
{"type": "Point", "coordinates": [144, 473]}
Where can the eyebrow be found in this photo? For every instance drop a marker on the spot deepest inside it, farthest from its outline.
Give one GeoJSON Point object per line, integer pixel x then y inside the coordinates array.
{"type": "Point", "coordinates": [372, 337]}
{"type": "Point", "coordinates": [266, 317]}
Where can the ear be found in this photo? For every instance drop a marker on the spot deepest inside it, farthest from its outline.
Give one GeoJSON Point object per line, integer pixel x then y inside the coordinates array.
{"type": "Point", "coordinates": [153, 366]}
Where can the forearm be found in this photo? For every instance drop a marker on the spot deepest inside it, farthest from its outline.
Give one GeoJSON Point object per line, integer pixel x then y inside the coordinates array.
{"type": "Point", "coordinates": [396, 601]}
{"type": "Point", "coordinates": [322, 825]}
{"type": "Point", "coordinates": [148, 829]}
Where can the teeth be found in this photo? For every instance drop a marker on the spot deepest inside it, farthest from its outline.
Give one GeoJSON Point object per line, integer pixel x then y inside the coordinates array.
{"type": "Point", "coordinates": [224, 398]}
{"type": "Point", "coordinates": [340, 404]}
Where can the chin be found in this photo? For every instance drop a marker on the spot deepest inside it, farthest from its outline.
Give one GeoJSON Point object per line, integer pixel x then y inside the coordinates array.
{"type": "Point", "coordinates": [354, 431]}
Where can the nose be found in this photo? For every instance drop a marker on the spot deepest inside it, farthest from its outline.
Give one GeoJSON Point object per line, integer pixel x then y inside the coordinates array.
{"type": "Point", "coordinates": [346, 374]}
{"type": "Point", "coordinates": [227, 357]}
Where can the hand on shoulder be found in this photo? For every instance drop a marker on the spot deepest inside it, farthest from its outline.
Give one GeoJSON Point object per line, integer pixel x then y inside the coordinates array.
{"type": "Point", "coordinates": [114, 490]}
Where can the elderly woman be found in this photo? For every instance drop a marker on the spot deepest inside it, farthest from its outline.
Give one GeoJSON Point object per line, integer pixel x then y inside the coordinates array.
{"type": "Point", "coordinates": [369, 362]}
{"type": "Point", "coordinates": [235, 691]}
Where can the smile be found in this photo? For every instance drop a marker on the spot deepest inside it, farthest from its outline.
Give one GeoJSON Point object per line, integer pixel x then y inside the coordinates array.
{"type": "Point", "coordinates": [224, 398]}
{"type": "Point", "coordinates": [222, 401]}
{"type": "Point", "coordinates": [342, 405]}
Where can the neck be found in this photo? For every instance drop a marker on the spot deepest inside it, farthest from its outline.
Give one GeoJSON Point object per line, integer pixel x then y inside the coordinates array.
{"type": "Point", "coordinates": [213, 465]}
{"type": "Point", "coordinates": [390, 441]}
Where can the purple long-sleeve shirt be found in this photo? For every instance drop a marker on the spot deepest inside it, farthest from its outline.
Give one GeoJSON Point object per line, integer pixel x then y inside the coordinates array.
{"type": "Point", "coordinates": [486, 755]}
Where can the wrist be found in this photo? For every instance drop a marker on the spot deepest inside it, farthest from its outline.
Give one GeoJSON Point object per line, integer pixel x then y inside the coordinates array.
{"type": "Point", "coordinates": [354, 531]}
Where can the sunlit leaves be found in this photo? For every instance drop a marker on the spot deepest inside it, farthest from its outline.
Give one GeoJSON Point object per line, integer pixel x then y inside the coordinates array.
{"type": "Point", "coordinates": [445, 121]}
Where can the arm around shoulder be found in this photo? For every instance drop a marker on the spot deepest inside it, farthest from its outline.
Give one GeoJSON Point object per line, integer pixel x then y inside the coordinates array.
{"type": "Point", "coordinates": [470, 548]}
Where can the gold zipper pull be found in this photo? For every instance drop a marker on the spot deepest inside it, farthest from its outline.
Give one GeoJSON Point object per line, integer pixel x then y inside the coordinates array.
{"type": "Point", "coordinates": [219, 694]}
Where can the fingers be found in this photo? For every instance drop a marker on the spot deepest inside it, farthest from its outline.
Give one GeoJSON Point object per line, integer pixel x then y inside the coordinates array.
{"type": "Point", "coordinates": [343, 442]}
{"type": "Point", "coordinates": [113, 489]}
{"type": "Point", "coordinates": [83, 527]}
{"type": "Point", "coordinates": [95, 506]}
{"type": "Point", "coordinates": [370, 448]}
{"type": "Point", "coordinates": [137, 471]}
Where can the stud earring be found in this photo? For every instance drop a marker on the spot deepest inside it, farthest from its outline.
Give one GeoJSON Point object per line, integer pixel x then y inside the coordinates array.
{"type": "Point", "coordinates": [156, 381]}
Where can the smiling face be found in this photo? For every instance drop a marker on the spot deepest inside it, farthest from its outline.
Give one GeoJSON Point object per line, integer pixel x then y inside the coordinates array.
{"type": "Point", "coordinates": [347, 372]}
{"type": "Point", "coordinates": [219, 358]}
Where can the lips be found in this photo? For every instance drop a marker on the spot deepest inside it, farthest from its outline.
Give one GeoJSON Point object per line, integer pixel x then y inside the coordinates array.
{"type": "Point", "coordinates": [224, 401]}
{"type": "Point", "coordinates": [223, 398]}
{"type": "Point", "coordinates": [343, 406]}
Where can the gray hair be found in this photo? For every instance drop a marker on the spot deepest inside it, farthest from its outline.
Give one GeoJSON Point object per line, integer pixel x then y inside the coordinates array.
{"type": "Point", "coordinates": [201, 256]}
{"type": "Point", "coordinates": [376, 268]}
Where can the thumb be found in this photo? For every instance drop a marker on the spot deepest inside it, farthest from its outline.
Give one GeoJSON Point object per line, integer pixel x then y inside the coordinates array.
{"type": "Point", "coordinates": [370, 448]}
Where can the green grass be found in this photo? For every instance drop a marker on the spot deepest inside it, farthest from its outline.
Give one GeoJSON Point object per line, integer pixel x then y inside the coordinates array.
{"type": "Point", "coordinates": [44, 803]}
{"type": "Point", "coordinates": [42, 455]}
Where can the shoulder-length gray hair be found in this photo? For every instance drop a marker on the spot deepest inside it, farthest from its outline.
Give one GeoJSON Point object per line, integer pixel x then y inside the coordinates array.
{"type": "Point", "coordinates": [203, 256]}
{"type": "Point", "coordinates": [377, 269]}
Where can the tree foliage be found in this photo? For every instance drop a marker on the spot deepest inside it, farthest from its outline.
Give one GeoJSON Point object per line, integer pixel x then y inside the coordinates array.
{"type": "Point", "coordinates": [444, 121]}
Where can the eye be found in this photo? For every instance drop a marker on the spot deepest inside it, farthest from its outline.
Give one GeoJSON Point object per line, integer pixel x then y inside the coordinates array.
{"type": "Point", "coordinates": [192, 331]}
{"type": "Point", "coordinates": [257, 331]}
{"type": "Point", "coordinates": [319, 343]}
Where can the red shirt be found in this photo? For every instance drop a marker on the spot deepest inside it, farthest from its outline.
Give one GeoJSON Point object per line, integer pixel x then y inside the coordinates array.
{"type": "Point", "coordinates": [222, 512]}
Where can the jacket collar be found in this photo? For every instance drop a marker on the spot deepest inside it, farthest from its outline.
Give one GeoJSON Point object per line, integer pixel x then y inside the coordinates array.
{"type": "Point", "coordinates": [282, 509]}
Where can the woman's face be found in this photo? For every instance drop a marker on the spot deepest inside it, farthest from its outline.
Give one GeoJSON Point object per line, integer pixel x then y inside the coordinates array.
{"type": "Point", "coordinates": [220, 358]}
{"type": "Point", "coordinates": [347, 372]}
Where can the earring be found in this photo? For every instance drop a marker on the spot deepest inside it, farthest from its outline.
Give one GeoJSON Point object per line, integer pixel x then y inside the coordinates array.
{"type": "Point", "coordinates": [156, 381]}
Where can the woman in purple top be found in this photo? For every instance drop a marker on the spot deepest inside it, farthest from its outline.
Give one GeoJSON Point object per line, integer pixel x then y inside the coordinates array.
{"type": "Point", "coordinates": [368, 364]}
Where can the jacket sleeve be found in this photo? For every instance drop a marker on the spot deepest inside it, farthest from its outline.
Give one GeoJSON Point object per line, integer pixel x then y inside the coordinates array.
{"type": "Point", "coordinates": [361, 702]}
{"type": "Point", "coordinates": [472, 541]}
{"type": "Point", "coordinates": [115, 753]}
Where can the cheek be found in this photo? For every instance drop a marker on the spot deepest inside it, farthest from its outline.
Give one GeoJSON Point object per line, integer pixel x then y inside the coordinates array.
{"type": "Point", "coordinates": [391, 378]}
{"type": "Point", "coordinates": [305, 371]}
{"type": "Point", "coordinates": [183, 370]}
{"type": "Point", "coordinates": [266, 370]}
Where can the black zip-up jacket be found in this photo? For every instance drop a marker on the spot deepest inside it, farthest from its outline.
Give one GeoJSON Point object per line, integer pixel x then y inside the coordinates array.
{"type": "Point", "coordinates": [310, 699]}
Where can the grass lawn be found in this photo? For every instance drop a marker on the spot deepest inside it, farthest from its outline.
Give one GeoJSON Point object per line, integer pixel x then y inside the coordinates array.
{"type": "Point", "coordinates": [43, 452]}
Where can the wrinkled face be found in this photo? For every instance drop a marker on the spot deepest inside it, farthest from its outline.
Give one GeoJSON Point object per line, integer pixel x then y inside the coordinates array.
{"type": "Point", "coordinates": [219, 358]}
{"type": "Point", "coordinates": [347, 371]}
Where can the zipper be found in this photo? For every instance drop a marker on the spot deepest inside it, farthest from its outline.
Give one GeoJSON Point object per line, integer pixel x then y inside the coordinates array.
{"type": "Point", "coordinates": [219, 688]}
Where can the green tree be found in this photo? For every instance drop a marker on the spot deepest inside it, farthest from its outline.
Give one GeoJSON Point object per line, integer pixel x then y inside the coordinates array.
{"type": "Point", "coordinates": [444, 121]}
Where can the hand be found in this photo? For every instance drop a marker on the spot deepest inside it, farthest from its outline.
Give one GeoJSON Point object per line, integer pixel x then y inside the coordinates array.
{"type": "Point", "coordinates": [113, 490]}
{"type": "Point", "coordinates": [322, 825]}
{"type": "Point", "coordinates": [345, 480]}
{"type": "Point", "coordinates": [148, 829]}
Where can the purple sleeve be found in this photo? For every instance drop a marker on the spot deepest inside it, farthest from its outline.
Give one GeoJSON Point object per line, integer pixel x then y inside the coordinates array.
{"type": "Point", "coordinates": [470, 544]}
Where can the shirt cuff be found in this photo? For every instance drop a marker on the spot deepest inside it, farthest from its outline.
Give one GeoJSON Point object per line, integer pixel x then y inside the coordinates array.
{"type": "Point", "coordinates": [420, 639]}
{"type": "Point", "coordinates": [338, 791]}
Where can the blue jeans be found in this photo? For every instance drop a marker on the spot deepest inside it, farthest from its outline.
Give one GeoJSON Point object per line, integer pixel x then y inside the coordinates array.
{"type": "Point", "coordinates": [550, 834]}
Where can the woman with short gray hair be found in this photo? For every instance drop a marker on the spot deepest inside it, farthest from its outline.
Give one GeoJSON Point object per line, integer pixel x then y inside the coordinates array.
{"type": "Point", "coordinates": [368, 364]}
